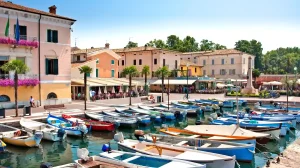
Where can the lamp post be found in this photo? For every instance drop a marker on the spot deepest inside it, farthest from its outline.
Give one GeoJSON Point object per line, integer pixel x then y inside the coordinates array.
{"type": "Point", "coordinates": [187, 81]}
{"type": "Point", "coordinates": [295, 69]}
{"type": "Point", "coordinates": [287, 94]}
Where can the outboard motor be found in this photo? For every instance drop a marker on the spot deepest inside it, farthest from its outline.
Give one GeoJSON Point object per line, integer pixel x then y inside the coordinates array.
{"type": "Point", "coordinates": [138, 134]}
{"type": "Point", "coordinates": [219, 114]}
{"type": "Point", "coordinates": [83, 129]}
{"type": "Point", "coordinates": [106, 148]}
{"type": "Point", "coordinates": [162, 116]}
{"type": "Point", "coordinates": [61, 133]}
{"type": "Point", "coordinates": [260, 103]}
{"type": "Point", "coordinates": [198, 122]}
{"type": "Point", "coordinates": [247, 110]}
{"type": "Point", "coordinates": [177, 114]}
{"type": "Point", "coordinates": [210, 119]}
{"type": "Point", "coordinates": [275, 104]}
{"type": "Point", "coordinates": [221, 107]}
{"type": "Point", "coordinates": [46, 165]}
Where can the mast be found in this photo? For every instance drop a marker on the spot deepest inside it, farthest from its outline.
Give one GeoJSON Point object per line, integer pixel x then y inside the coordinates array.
{"type": "Point", "coordinates": [237, 107]}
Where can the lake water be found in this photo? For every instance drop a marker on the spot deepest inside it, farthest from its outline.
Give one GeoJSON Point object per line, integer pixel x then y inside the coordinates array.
{"type": "Point", "coordinates": [59, 153]}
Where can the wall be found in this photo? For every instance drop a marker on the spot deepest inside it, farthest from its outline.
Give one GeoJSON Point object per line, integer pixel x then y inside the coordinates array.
{"type": "Point", "coordinates": [63, 92]}
{"type": "Point", "coordinates": [82, 58]}
{"type": "Point", "coordinates": [75, 73]}
{"type": "Point", "coordinates": [198, 72]}
{"type": "Point", "coordinates": [24, 93]}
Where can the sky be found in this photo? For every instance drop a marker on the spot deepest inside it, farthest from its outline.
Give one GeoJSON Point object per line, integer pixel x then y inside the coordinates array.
{"type": "Point", "coordinates": [275, 23]}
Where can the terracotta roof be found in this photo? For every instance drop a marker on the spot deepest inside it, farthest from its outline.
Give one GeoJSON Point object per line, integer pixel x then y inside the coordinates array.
{"type": "Point", "coordinates": [184, 62]}
{"type": "Point", "coordinates": [197, 52]}
{"type": "Point", "coordinates": [135, 49]}
{"type": "Point", "coordinates": [223, 52]}
{"type": "Point", "coordinates": [87, 51]}
{"type": "Point", "coordinates": [10, 5]}
{"type": "Point", "coordinates": [110, 52]}
{"type": "Point", "coordinates": [74, 49]}
{"type": "Point", "coordinates": [74, 65]}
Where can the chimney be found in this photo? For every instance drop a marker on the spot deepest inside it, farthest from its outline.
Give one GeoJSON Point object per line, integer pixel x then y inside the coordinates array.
{"type": "Point", "coordinates": [52, 9]}
{"type": "Point", "coordinates": [92, 47]}
{"type": "Point", "coordinates": [107, 45]}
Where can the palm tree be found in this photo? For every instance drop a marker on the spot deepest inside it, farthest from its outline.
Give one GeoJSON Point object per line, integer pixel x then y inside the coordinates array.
{"type": "Point", "coordinates": [85, 70]}
{"type": "Point", "coordinates": [146, 72]}
{"type": "Point", "coordinates": [131, 71]}
{"type": "Point", "coordinates": [162, 72]}
{"type": "Point", "coordinates": [19, 67]}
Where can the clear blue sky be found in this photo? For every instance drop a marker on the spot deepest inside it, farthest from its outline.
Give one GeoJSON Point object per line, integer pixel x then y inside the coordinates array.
{"type": "Point", "coordinates": [273, 22]}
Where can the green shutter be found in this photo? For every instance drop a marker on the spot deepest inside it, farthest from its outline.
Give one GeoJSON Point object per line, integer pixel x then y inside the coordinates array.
{"type": "Point", "coordinates": [46, 66]}
{"type": "Point", "coordinates": [88, 74]}
{"type": "Point", "coordinates": [55, 66]}
{"type": "Point", "coordinates": [112, 62]}
{"type": "Point", "coordinates": [55, 36]}
{"type": "Point", "coordinates": [97, 72]}
{"type": "Point", "coordinates": [112, 73]}
{"type": "Point", "coordinates": [49, 38]}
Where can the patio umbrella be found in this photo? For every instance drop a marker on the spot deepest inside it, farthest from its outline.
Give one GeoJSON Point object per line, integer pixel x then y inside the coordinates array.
{"type": "Point", "coordinates": [113, 90]}
{"type": "Point", "coordinates": [275, 83]}
{"type": "Point", "coordinates": [127, 89]}
{"type": "Point", "coordinates": [121, 89]}
{"type": "Point", "coordinates": [230, 85]}
{"type": "Point", "coordinates": [141, 88]}
{"type": "Point", "coordinates": [105, 90]}
{"type": "Point", "coordinates": [99, 92]}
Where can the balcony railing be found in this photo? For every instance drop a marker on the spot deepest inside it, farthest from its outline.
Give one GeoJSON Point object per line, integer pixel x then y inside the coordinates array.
{"type": "Point", "coordinates": [25, 40]}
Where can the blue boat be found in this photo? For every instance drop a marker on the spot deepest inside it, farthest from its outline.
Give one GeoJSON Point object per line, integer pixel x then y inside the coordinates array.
{"type": "Point", "coordinates": [184, 106]}
{"type": "Point", "coordinates": [142, 119]}
{"type": "Point", "coordinates": [228, 104]}
{"type": "Point", "coordinates": [2, 146]}
{"type": "Point", "coordinates": [240, 102]}
{"type": "Point", "coordinates": [59, 122]}
{"type": "Point", "coordinates": [208, 102]}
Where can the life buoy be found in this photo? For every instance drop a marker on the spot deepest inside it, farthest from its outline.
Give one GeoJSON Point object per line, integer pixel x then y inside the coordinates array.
{"type": "Point", "coordinates": [17, 133]}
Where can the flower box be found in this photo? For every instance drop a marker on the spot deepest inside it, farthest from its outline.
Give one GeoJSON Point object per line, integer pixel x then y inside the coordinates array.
{"type": "Point", "coordinates": [21, 82]}
{"type": "Point", "coordinates": [13, 42]}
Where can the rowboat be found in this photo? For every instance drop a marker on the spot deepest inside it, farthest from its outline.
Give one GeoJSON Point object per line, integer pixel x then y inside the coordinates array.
{"type": "Point", "coordinates": [167, 115]}
{"type": "Point", "coordinates": [182, 113]}
{"type": "Point", "coordinates": [148, 161]}
{"type": "Point", "coordinates": [14, 136]}
{"type": "Point", "coordinates": [2, 146]}
{"type": "Point", "coordinates": [71, 129]}
{"type": "Point", "coordinates": [243, 152]}
{"type": "Point", "coordinates": [142, 119]}
{"type": "Point", "coordinates": [207, 102]}
{"type": "Point", "coordinates": [121, 121]}
{"type": "Point", "coordinates": [91, 124]}
{"type": "Point", "coordinates": [228, 104]}
{"type": "Point", "coordinates": [49, 132]}
{"type": "Point", "coordinates": [211, 160]}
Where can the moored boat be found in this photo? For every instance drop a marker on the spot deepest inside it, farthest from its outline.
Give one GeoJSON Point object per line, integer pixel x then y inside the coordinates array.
{"type": "Point", "coordinates": [142, 119]}
{"type": "Point", "coordinates": [2, 146]}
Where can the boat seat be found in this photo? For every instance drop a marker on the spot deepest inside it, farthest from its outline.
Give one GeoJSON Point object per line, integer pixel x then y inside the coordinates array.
{"type": "Point", "coordinates": [182, 143]}
{"type": "Point", "coordinates": [19, 137]}
{"type": "Point", "coordinates": [149, 148]}
{"type": "Point", "coordinates": [131, 158]}
{"type": "Point", "coordinates": [206, 145]}
{"type": "Point", "coordinates": [194, 136]}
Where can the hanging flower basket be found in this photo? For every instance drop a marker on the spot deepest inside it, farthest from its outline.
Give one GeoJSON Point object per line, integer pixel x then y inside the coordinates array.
{"type": "Point", "coordinates": [21, 82]}
{"type": "Point", "coordinates": [14, 43]}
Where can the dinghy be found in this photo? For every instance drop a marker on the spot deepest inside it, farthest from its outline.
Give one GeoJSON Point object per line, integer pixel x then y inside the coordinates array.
{"type": "Point", "coordinates": [91, 124]}
{"type": "Point", "coordinates": [211, 160]}
{"type": "Point", "coordinates": [142, 119]}
{"type": "Point", "coordinates": [49, 132]}
{"type": "Point", "coordinates": [71, 129]}
{"type": "Point", "coordinates": [167, 115]}
{"type": "Point", "coordinates": [14, 136]}
{"type": "Point", "coordinates": [243, 152]}
{"type": "Point", "coordinates": [149, 161]}
{"type": "Point", "coordinates": [121, 121]}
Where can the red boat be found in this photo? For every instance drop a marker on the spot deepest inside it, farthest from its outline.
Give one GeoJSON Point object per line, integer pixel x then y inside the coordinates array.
{"type": "Point", "coordinates": [95, 125]}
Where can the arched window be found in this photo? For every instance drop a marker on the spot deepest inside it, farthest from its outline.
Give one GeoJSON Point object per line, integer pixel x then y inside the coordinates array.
{"type": "Point", "coordinates": [51, 96]}
{"type": "Point", "coordinates": [4, 98]}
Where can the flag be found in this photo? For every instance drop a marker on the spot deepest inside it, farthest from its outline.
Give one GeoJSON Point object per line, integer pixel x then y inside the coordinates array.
{"type": "Point", "coordinates": [17, 31]}
{"type": "Point", "coordinates": [7, 28]}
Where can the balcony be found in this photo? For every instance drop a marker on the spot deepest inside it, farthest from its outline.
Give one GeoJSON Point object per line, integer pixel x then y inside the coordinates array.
{"type": "Point", "coordinates": [23, 80]}
{"type": "Point", "coordinates": [25, 41]}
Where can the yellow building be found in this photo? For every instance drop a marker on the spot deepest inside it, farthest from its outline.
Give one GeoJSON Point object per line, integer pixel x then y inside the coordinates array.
{"type": "Point", "coordinates": [194, 69]}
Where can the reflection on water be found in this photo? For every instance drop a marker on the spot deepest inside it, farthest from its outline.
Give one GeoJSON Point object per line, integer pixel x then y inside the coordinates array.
{"type": "Point", "coordinates": [59, 153]}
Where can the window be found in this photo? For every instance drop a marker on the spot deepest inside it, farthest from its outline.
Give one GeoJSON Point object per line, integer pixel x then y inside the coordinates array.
{"type": "Point", "coordinates": [112, 73]}
{"type": "Point", "coordinates": [232, 61]}
{"type": "Point", "coordinates": [51, 66]}
{"type": "Point", "coordinates": [134, 62]}
{"type": "Point", "coordinates": [21, 59]}
{"type": "Point", "coordinates": [155, 61]}
{"type": "Point", "coordinates": [189, 58]}
{"type": "Point", "coordinates": [153, 74]}
{"type": "Point", "coordinates": [223, 61]}
{"type": "Point", "coordinates": [181, 68]}
{"type": "Point", "coordinates": [112, 62]}
{"type": "Point", "coordinates": [123, 62]}
{"type": "Point", "coordinates": [97, 61]}
{"type": "Point", "coordinates": [231, 71]}
{"type": "Point", "coordinates": [194, 57]}
{"type": "Point", "coordinates": [164, 62]}
{"type": "Point", "coordinates": [213, 62]}
{"type": "Point", "coordinates": [97, 73]}
{"type": "Point", "coordinates": [195, 70]}
{"type": "Point", "coordinates": [51, 96]}
{"type": "Point", "coordinates": [78, 57]}
{"type": "Point", "coordinates": [52, 36]}
{"type": "Point", "coordinates": [176, 64]}
{"type": "Point", "coordinates": [212, 72]}
{"type": "Point", "coordinates": [88, 75]}
{"type": "Point", "coordinates": [22, 31]}
{"type": "Point", "coordinates": [140, 61]}
{"type": "Point", "coordinates": [204, 62]}
{"type": "Point", "coordinates": [244, 60]}
{"type": "Point", "coordinates": [204, 72]}
{"type": "Point", "coordinates": [222, 71]}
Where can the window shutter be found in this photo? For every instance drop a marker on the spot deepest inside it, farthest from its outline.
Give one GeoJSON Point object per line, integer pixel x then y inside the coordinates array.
{"type": "Point", "coordinates": [46, 66]}
{"type": "Point", "coordinates": [55, 36]}
{"type": "Point", "coordinates": [55, 66]}
{"type": "Point", "coordinates": [49, 39]}
{"type": "Point", "coordinates": [97, 72]}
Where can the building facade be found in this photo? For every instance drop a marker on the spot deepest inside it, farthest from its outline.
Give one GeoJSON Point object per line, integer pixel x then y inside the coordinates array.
{"type": "Point", "coordinates": [44, 46]}
{"type": "Point", "coordinates": [194, 70]}
{"type": "Point", "coordinates": [227, 63]}
{"type": "Point", "coordinates": [153, 57]}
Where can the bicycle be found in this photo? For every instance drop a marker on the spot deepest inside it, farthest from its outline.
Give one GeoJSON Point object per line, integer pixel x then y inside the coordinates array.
{"type": "Point", "coordinates": [186, 97]}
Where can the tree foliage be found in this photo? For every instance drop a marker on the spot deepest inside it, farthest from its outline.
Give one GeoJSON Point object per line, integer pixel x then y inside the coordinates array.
{"type": "Point", "coordinates": [130, 71]}
{"type": "Point", "coordinates": [131, 44]}
{"type": "Point", "coordinates": [157, 43]}
{"type": "Point", "coordinates": [252, 47]}
{"type": "Point", "coordinates": [256, 73]}
{"type": "Point", "coordinates": [85, 70]}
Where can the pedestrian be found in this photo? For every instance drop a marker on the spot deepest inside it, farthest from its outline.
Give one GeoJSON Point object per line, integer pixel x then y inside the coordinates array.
{"type": "Point", "coordinates": [32, 103]}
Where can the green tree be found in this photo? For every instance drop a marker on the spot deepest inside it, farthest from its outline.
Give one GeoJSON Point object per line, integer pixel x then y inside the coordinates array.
{"type": "Point", "coordinates": [252, 47]}
{"type": "Point", "coordinates": [206, 45]}
{"type": "Point", "coordinates": [19, 67]}
{"type": "Point", "coordinates": [131, 44]}
{"type": "Point", "coordinates": [162, 72]}
{"type": "Point", "coordinates": [157, 43]}
{"type": "Point", "coordinates": [174, 42]}
{"type": "Point", "coordinates": [219, 47]}
{"type": "Point", "coordinates": [255, 74]}
{"type": "Point", "coordinates": [146, 72]}
{"type": "Point", "coordinates": [85, 70]}
{"type": "Point", "coordinates": [130, 71]}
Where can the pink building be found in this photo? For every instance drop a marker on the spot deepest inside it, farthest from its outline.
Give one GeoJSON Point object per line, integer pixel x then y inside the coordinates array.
{"type": "Point", "coordinates": [44, 46]}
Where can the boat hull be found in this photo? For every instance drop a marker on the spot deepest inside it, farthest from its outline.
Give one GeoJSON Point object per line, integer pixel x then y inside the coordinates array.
{"type": "Point", "coordinates": [28, 142]}
{"type": "Point", "coordinates": [53, 136]}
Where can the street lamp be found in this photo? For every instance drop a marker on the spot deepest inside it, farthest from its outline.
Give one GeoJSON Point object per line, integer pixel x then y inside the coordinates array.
{"type": "Point", "coordinates": [295, 69]}
{"type": "Point", "coordinates": [187, 81]}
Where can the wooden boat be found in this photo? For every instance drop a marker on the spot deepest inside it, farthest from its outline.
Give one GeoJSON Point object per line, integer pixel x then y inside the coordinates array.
{"type": "Point", "coordinates": [2, 146]}
{"type": "Point", "coordinates": [91, 124]}
{"type": "Point", "coordinates": [120, 121]}
{"type": "Point", "coordinates": [210, 159]}
{"type": "Point", "coordinates": [243, 152]}
{"type": "Point", "coordinates": [49, 132]}
{"type": "Point", "coordinates": [167, 115]}
{"type": "Point", "coordinates": [71, 129]}
{"type": "Point", "coordinates": [14, 136]}
{"type": "Point", "coordinates": [148, 161]}
{"type": "Point", "coordinates": [227, 131]}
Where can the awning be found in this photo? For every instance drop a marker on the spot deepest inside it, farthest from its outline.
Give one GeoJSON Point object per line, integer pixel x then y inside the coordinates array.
{"type": "Point", "coordinates": [220, 85]}
{"type": "Point", "coordinates": [273, 83]}
{"type": "Point", "coordinates": [104, 82]}
{"type": "Point", "coordinates": [174, 82]}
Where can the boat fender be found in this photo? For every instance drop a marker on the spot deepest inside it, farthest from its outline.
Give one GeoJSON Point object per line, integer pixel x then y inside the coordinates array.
{"type": "Point", "coordinates": [83, 128]}
{"type": "Point", "coordinates": [46, 165]}
{"type": "Point", "coordinates": [118, 137]}
{"type": "Point", "coordinates": [17, 133]}
{"type": "Point", "coordinates": [106, 148]}
{"type": "Point", "coordinates": [61, 132]}
{"type": "Point", "coordinates": [38, 135]}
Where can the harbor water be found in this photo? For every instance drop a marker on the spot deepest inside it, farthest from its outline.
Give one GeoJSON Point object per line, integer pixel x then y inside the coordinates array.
{"type": "Point", "coordinates": [58, 153]}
